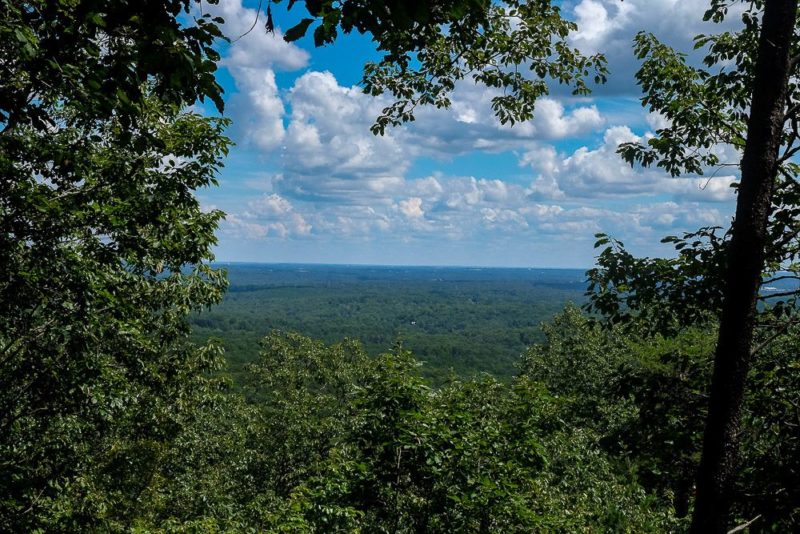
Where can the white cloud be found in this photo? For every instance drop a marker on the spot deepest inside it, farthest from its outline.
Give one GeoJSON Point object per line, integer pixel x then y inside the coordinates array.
{"type": "Point", "coordinates": [323, 176]}
{"type": "Point", "coordinates": [609, 26]}
{"type": "Point", "coordinates": [587, 172]}
{"type": "Point", "coordinates": [551, 122]}
{"type": "Point", "coordinates": [252, 58]}
{"type": "Point", "coordinates": [601, 173]}
{"type": "Point", "coordinates": [237, 226]}
{"type": "Point", "coordinates": [412, 208]}
{"type": "Point", "coordinates": [258, 110]}
{"type": "Point", "coordinates": [329, 151]}
{"type": "Point", "coordinates": [350, 221]}
{"type": "Point", "coordinates": [252, 47]}
{"type": "Point", "coordinates": [714, 189]}
{"type": "Point", "coordinates": [470, 123]}
{"type": "Point", "coordinates": [542, 212]}
{"type": "Point", "coordinates": [657, 121]}
{"type": "Point", "coordinates": [503, 218]}
{"type": "Point", "coordinates": [428, 188]}
{"type": "Point", "coordinates": [459, 209]}
{"type": "Point", "coordinates": [598, 22]}
{"type": "Point", "coordinates": [271, 205]}
{"type": "Point", "coordinates": [270, 215]}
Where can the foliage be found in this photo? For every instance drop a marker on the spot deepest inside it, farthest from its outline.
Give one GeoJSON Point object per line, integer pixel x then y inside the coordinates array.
{"type": "Point", "coordinates": [430, 46]}
{"type": "Point", "coordinates": [112, 420]}
{"type": "Point", "coordinates": [771, 440]}
{"type": "Point", "coordinates": [474, 456]}
{"type": "Point", "coordinates": [206, 473]}
{"type": "Point", "coordinates": [339, 441]}
{"type": "Point", "coordinates": [662, 294]}
{"type": "Point", "coordinates": [461, 320]}
{"type": "Point", "coordinates": [577, 359]}
{"type": "Point", "coordinates": [103, 247]}
{"type": "Point", "coordinates": [97, 56]}
{"type": "Point", "coordinates": [397, 26]}
{"type": "Point", "coordinates": [645, 394]}
{"type": "Point", "coordinates": [94, 299]}
{"type": "Point", "coordinates": [705, 107]}
{"type": "Point", "coordinates": [744, 96]}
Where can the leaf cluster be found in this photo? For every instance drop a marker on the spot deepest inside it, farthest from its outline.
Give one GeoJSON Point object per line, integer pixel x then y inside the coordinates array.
{"type": "Point", "coordinates": [399, 456]}
{"type": "Point", "coordinates": [98, 56]}
{"type": "Point", "coordinates": [646, 394]}
{"type": "Point", "coordinates": [664, 294]}
{"type": "Point", "coordinates": [707, 107]}
{"type": "Point", "coordinates": [104, 249]}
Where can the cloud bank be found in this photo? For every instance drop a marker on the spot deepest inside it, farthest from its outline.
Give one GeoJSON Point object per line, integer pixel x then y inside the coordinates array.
{"type": "Point", "coordinates": [322, 177]}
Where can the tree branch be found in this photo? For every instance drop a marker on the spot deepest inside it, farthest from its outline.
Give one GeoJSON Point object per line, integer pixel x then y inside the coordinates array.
{"type": "Point", "coordinates": [780, 294]}
{"type": "Point", "coordinates": [784, 277]}
{"type": "Point", "coordinates": [767, 342]}
{"type": "Point", "coordinates": [745, 525]}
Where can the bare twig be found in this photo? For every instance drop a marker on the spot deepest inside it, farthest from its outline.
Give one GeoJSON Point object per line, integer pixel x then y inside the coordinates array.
{"type": "Point", "coordinates": [780, 294]}
{"type": "Point", "coordinates": [783, 277]}
{"type": "Point", "coordinates": [258, 12]}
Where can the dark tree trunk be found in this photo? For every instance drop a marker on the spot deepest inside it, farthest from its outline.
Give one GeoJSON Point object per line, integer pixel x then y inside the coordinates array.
{"type": "Point", "coordinates": [745, 263]}
{"type": "Point", "coordinates": [683, 495]}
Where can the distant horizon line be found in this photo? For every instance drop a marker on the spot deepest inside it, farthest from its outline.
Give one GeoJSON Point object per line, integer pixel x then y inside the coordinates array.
{"type": "Point", "coordinates": [453, 266]}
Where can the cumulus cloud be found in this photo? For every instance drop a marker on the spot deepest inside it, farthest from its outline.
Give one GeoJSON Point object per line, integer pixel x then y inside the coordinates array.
{"type": "Point", "coordinates": [329, 152]}
{"type": "Point", "coordinates": [363, 222]}
{"type": "Point", "coordinates": [714, 189]}
{"type": "Point", "coordinates": [268, 216]}
{"type": "Point", "coordinates": [254, 49]}
{"type": "Point", "coordinates": [466, 209]}
{"type": "Point", "coordinates": [258, 109]}
{"type": "Point", "coordinates": [326, 178]}
{"type": "Point", "coordinates": [328, 121]}
{"type": "Point", "coordinates": [601, 173]}
{"type": "Point", "coordinates": [252, 59]}
{"type": "Point", "coordinates": [271, 205]}
{"type": "Point", "coordinates": [470, 123]}
{"type": "Point", "coordinates": [657, 121]}
{"type": "Point", "coordinates": [236, 226]}
{"type": "Point", "coordinates": [411, 208]}
{"type": "Point", "coordinates": [551, 121]}
{"type": "Point", "coordinates": [609, 26]}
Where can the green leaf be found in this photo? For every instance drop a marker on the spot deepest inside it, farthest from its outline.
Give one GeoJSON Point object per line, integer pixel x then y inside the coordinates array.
{"type": "Point", "coordinates": [297, 31]}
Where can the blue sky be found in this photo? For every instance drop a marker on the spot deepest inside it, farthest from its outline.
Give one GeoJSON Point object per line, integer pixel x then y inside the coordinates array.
{"type": "Point", "coordinates": [308, 182]}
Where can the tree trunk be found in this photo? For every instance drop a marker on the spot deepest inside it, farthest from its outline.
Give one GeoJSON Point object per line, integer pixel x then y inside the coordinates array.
{"type": "Point", "coordinates": [745, 263]}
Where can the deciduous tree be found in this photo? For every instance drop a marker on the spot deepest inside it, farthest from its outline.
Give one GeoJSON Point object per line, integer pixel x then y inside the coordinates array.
{"type": "Point", "coordinates": [104, 249]}
{"type": "Point", "coordinates": [745, 97]}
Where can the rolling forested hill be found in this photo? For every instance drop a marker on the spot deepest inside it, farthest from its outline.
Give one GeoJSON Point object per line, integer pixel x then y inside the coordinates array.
{"type": "Point", "coordinates": [469, 320]}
